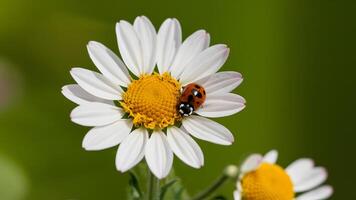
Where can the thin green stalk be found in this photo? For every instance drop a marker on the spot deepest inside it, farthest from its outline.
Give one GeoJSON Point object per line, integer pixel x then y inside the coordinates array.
{"type": "Point", "coordinates": [214, 186]}
{"type": "Point", "coordinates": [153, 187]}
{"type": "Point", "coordinates": [230, 172]}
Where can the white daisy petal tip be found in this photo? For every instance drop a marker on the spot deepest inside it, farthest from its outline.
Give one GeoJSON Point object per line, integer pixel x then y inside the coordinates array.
{"type": "Point", "coordinates": [225, 50]}
{"type": "Point", "coordinates": [185, 148]}
{"type": "Point", "coordinates": [221, 82]}
{"type": "Point", "coordinates": [158, 155]}
{"type": "Point", "coordinates": [92, 44]}
{"type": "Point", "coordinates": [96, 84]}
{"type": "Point", "coordinates": [192, 46]}
{"type": "Point", "coordinates": [221, 105]}
{"type": "Point", "coordinates": [147, 35]}
{"type": "Point", "coordinates": [131, 150]}
{"type": "Point", "coordinates": [243, 100]}
{"type": "Point", "coordinates": [65, 91]}
{"type": "Point", "coordinates": [130, 47]}
{"type": "Point", "coordinates": [237, 195]}
{"type": "Point", "coordinates": [271, 157]}
{"type": "Point", "coordinates": [96, 114]}
{"type": "Point", "coordinates": [122, 169]}
{"type": "Point", "coordinates": [108, 63]}
{"type": "Point", "coordinates": [202, 33]}
{"type": "Point", "coordinates": [73, 70]}
{"type": "Point", "coordinates": [207, 35]}
{"type": "Point", "coordinates": [323, 192]}
{"type": "Point", "coordinates": [123, 22]}
{"type": "Point", "coordinates": [206, 63]}
{"type": "Point", "coordinates": [144, 19]}
{"type": "Point", "coordinates": [208, 130]}
{"type": "Point", "coordinates": [251, 163]}
{"type": "Point", "coordinates": [298, 167]}
{"type": "Point", "coordinates": [323, 171]}
{"type": "Point", "coordinates": [104, 137]}
{"type": "Point", "coordinates": [328, 191]}
{"type": "Point", "coordinates": [169, 38]}
{"type": "Point", "coordinates": [310, 179]}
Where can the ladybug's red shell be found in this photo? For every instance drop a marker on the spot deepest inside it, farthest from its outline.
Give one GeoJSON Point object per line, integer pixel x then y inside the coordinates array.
{"type": "Point", "coordinates": [194, 95]}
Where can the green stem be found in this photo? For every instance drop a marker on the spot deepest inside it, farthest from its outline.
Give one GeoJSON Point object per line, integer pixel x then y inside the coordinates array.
{"type": "Point", "coordinates": [153, 187]}
{"type": "Point", "coordinates": [214, 186]}
{"type": "Point", "coordinates": [230, 172]}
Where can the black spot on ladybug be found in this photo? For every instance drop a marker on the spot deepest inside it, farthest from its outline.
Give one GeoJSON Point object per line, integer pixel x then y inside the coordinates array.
{"type": "Point", "coordinates": [197, 86]}
{"type": "Point", "coordinates": [190, 98]}
{"type": "Point", "coordinates": [204, 92]}
{"type": "Point", "coordinates": [199, 95]}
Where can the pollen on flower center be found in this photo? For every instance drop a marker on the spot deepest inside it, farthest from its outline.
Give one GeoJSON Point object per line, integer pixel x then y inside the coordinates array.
{"type": "Point", "coordinates": [152, 101]}
{"type": "Point", "coordinates": [268, 182]}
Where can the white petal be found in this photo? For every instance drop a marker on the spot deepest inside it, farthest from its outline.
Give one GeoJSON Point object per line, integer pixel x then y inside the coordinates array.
{"type": "Point", "coordinates": [96, 84]}
{"type": "Point", "coordinates": [158, 154]}
{"type": "Point", "coordinates": [298, 168]}
{"type": "Point", "coordinates": [147, 36]}
{"type": "Point", "coordinates": [169, 38]}
{"type": "Point", "coordinates": [320, 193]}
{"type": "Point", "coordinates": [131, 150]}
{"type": "Point", "coordinates": [108, 63]}
{"type": "Point", "coordinates": [185, 147]}
{"type": "Point", "coordinates": [103, 137]}
{"type": "Point", "coordinates": [129, 46]}
{"type": "Point", "coordinates": [271, 157]}
{"type": "Point", "coordinates": [311, 179]}
{"type": "Point", "coordinates": [237, 195]}
{"type": "Point", "coordinates": [206, 129]}
{"type": "Point", "coordinates": [96, 114]}
{"type": "Point", "coordinates": [177, 32]}
{"type": "Point", "coordinates": [221, 82]}
{"type": "Point", "coordinates": [190, 48]}
{"type": "Point", "coordinates": [221, 105]}
{"type": "Point", "coordinates": [251, 163]}
{"type": "Point", "coordinates": [206, 63]}
{"type": "Point", "coordinates": [79, 96]}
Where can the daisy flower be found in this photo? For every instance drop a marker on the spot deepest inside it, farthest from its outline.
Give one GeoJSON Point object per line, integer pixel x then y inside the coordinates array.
{"type": "Point", "coordinates": [262, 179]}
{"type": "Point", "coordinates": [136, 101]}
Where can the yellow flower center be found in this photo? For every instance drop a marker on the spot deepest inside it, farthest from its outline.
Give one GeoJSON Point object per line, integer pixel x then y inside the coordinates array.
{"type": "Point", "coordinates": [268, 182]}
{"type": "Point", "coordinates": [152, 101]}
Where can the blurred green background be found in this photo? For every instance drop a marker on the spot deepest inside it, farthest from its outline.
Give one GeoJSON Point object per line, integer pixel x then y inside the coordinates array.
{"type": "Point", "coordinates": [297, 58]}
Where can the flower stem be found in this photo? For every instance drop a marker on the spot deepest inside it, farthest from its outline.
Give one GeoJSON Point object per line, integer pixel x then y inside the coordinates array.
{"type": "Point", "coordinates": [153, 187]}
{"type": "Point", "coordinates": [230, 172]}
{"type": "Point", "coordinates": [208, 191]}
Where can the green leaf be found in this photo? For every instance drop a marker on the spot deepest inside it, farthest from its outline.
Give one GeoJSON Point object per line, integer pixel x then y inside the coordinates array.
{"type": "Point", "coordinates": [174, 189]}
{"type": "Point", "coordinates": [138, 182]}
{"type": "Point", "coordinates": [179, 194]}
{"type": "Point", "coordinates": [166, 186]}
{"type": "Point", "coordinates": [134, 188]}
{"type": "Point", "coordinates": [171, 187]}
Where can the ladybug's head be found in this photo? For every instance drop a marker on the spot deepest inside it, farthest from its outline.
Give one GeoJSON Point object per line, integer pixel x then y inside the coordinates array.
{"type": "Point", "coordinates": [185, 109]}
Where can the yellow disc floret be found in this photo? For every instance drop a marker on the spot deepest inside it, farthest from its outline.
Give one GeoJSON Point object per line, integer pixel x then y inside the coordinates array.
{"type": "Point", "coordinates": [268, 182]}
{"type": "Point", "coordinates": [152, 101]}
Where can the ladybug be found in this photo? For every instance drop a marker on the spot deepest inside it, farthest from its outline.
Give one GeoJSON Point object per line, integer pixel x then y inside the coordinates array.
{"type": "Point", "coordinates": [193, 96]}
